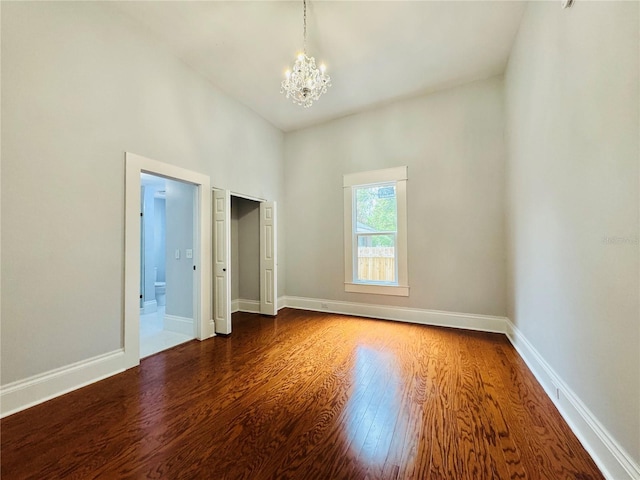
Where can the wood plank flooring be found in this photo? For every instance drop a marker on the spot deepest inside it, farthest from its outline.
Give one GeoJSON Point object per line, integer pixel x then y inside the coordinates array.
{"type": "Point", "coordinates": [306, 396]}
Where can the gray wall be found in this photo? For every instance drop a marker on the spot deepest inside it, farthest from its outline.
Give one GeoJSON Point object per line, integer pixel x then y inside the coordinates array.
{"type": "Point", "coordinates": [453, 144]}
{"type": "Point", "coordinates": [572, 116]}
{"type": "Point", "coordinates": [179, 236]}
{"type": "Point", "coordinates": [235, 258]}
{"type": "Point", "coordinates": [249, 249]}
{"type": "Point", "coordinates": [82, 84]}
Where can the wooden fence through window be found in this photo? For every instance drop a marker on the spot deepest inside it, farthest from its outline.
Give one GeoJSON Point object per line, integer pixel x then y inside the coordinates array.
{"type": "Point", "coordinates": [376, 264]}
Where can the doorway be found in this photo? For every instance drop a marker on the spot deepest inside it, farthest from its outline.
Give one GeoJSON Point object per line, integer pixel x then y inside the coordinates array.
{"type": "Point", "coordinates": [167, 234]}
{"type": "Point", "coordinates": [200, 262]}
{"type": "Point", "coordinates": [224, 264]}
{"type": "Point", "coordinates": [245, 255]}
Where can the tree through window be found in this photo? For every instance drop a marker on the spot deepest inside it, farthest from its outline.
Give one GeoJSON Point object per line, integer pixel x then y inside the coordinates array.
{"type": "Point", "coordinates": [376, 232]}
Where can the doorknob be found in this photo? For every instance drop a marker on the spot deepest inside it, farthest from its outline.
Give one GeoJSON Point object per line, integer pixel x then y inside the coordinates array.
{"type": "Point", "coordinates": [224, 269]}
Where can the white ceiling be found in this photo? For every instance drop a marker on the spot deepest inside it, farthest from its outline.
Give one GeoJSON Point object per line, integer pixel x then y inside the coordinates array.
{"type": "Point", "coordinates": [375, 51]}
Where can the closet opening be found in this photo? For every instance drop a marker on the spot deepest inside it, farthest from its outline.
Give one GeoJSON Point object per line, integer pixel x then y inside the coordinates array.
{"type": "Point", "coordinates": [244, 260]}
{"type": "Point", "coordinates": [245, 255]}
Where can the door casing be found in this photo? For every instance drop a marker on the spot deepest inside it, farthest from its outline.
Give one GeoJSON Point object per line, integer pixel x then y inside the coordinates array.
{"type": "Point", "coordinates": [134, 166]}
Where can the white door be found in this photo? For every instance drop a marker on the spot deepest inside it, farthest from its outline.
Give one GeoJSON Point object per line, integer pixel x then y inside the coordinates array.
{"type": "Point", "coordinates": [221, 257]}
{"type": "Point", "coordinates": [268, 259]}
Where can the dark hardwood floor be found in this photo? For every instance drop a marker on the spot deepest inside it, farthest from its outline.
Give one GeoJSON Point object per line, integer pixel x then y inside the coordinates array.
{"type": "Point", "coordinates": [306, 396]}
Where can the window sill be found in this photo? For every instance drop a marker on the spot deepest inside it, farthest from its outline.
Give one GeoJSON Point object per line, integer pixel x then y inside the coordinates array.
{"type": "Point", "coordinates": [397, 290]}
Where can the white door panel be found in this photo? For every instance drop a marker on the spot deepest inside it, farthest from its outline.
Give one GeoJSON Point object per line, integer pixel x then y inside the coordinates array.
{"type": "Point", "coordinates": [221, 257]}
{"type": "Point", "coordinates": [268, 259]}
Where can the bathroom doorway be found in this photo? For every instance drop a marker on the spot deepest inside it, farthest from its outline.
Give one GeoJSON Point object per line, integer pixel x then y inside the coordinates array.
{"type": "Point", "coordinates": [167, 266]}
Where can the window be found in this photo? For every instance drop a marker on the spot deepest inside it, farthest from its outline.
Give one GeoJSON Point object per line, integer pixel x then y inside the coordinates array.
{"type": "Point", "coordinates": [375, 231]}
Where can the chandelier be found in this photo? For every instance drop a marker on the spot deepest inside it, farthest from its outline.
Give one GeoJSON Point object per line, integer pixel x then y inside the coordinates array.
{"type": "Point", "coordinates": [304, 83]}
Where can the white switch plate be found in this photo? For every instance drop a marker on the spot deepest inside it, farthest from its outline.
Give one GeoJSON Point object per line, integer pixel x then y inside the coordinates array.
{"type": "Point", "coordinates": [189, 253]}
{"type": "Point", "coordinates": [177, 254]}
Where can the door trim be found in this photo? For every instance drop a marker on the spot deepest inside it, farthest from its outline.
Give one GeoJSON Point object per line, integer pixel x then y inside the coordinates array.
{"type": "Point", "coordinates": [246, 197]}
{"type": "Point", "coordinates": [134, 166]}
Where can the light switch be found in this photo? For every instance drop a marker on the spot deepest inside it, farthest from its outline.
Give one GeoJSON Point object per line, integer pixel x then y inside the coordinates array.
{"type": "Point", "coordinates": [189, 253]}
{"type": "Point", "coordinates": [177, 254]}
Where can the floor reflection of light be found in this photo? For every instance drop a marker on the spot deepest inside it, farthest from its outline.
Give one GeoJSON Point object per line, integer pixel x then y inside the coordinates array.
{"type": "Point", "coordinates": [373, 408]}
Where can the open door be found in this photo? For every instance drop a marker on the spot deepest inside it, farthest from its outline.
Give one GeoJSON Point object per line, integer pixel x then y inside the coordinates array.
{"type": "Point", "coordinates": [268, 259]}
{"type": "Point", "coordinates": [221, 258]}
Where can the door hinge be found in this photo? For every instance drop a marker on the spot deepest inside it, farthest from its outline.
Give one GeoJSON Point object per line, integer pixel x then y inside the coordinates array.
{"type": "Point", "coordinates": [141, 214]}
{"type": "Point", "coordinates": [194, 267]}
{"type": "Point", "coordinates": [140, 296]}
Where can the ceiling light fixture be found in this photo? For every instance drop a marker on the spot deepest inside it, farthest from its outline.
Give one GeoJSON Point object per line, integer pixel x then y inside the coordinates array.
{"type": "Point", "coordinates": [304, 83]}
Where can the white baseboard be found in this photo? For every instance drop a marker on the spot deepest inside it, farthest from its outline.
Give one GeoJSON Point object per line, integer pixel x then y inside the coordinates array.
{"type": "Point", "coordinates": [484, 323]}
{"type": "Point", "coordinates": [282, 302]}
{"type": "Point", "coordinates": [22, 394]}
{"type": "Point", "coordinates": [249, 306]}
{"type": "Point", "coordinates": [150, 307]}
{"type": "Point", "coordinates": [174, 323]}
{"type": "Point", "coordinates": [244, 305]}
{"type": "Point", "coordinates": [614, 462]}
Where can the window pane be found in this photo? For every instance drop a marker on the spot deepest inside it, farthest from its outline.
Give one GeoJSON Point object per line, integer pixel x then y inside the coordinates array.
{"type": "Point", "coordinates": [376, 209]}
{"type": "Point", "coordinates": [376, 258]}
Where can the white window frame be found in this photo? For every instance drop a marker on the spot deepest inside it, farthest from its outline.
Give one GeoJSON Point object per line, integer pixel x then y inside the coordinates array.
{"type": "Point", "coordinates": [351, 181]}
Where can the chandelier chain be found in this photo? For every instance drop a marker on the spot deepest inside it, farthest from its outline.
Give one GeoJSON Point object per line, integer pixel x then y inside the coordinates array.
{"type": "Point", "coordinates": [305, 27]}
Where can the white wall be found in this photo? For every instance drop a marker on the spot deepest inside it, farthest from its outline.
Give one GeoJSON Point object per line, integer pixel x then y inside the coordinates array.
{"type": "Point", "coordinates": [452, 142]}
{"type": "Point", "coordinates": [572, 117]}
{"type": "Point", "coordinates": [80, 86]}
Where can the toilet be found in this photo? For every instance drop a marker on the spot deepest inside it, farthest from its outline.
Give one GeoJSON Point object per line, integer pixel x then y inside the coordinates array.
{"type": "Point", "coordinates": [161, 291]}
